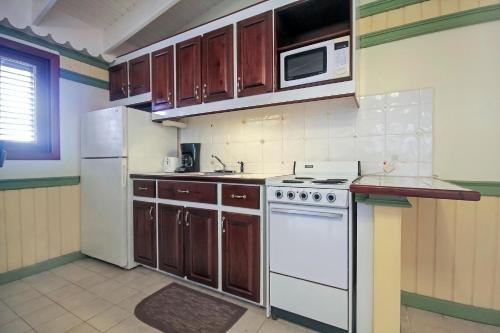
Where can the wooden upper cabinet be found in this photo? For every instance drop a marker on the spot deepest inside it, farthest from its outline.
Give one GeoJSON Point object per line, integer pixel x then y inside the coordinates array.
{"type": "Point", "coordinates": [162, 63]}
{"type": "Point", "coordinates": [200, 237]}
{"type": "Point", "coordinates": [171, 239]}
{"type": "Point", "coordinates": [118, 82]}
{"type": "Point", "coordinates": [144, 233]}
{"type": "Point", "coordinates": [188, 57]}
{"type": "Point", "coordinates": [217, 64]}
{"type": "Point", "coordinates": [241, 255]}
{"type": "Point", "coordinates": [255, 55]}
{"type": "Point", "coordinates": [139, 75]}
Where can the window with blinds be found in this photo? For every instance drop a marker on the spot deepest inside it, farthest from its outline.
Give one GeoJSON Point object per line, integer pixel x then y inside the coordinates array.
{"type": "Point", "coordinates": [17, 100]}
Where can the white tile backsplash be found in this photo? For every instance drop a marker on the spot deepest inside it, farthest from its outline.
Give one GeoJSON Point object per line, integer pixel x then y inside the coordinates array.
{"type": "Point", "coordinates": [395, 127]}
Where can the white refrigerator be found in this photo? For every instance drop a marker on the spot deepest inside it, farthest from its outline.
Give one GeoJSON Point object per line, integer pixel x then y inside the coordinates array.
{"type": "Point", "coordinates": [116, 142]}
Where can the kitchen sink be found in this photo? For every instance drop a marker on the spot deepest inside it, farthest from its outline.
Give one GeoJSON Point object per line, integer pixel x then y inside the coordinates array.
{"type": "Point", "coordinates": [219, 173]}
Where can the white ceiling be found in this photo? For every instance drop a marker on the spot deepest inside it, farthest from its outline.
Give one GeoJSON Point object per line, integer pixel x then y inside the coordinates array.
{"type": "Point", "coordinates": [97, 13]}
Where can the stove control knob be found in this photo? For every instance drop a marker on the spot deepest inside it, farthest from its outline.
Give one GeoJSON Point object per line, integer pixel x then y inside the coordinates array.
{"type": "Point", "coordinates": [303, 195]}
{"type": "Point", "coordinates": [278, 194]}
{"type": "Point", "coordinates": [331, 197]}
{"type": "Point", "coordinates": [291, 195]}
{"type": "Point", "coordinates": [316, 196]}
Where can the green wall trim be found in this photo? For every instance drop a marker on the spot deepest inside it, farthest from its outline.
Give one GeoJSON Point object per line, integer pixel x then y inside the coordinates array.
{"type": "Point", "coordinates": [380, 6]}
{"type": "Point", "coordinates": [452, 309]}
{"type": "Point", "coordinates": [43, 266]}
{"type": "Point", "coordinates": [486, 188]}
{"type": "Point", "coordinates": [382, 200]}
{"type": "Point", "coordinates": [84, 79]}
{"type": "Point", "coordinates": [17, 184]}
{"type": "Point", "coordinates": [73, 54]}
{"type": "Point", "coordinates": [435, 24]}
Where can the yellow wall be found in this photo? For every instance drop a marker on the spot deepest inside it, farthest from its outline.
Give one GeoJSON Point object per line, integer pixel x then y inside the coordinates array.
{"type": "Point", "coordinates": [38, 224]}
{"type": "Point", "coordinates": [451, 250]}
{"type": "Point", "coordinates": [463, 67]}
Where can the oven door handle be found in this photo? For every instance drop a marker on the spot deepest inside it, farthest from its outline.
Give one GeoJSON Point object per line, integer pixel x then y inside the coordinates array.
{"type": "Point", "coordinates": [306, 212]}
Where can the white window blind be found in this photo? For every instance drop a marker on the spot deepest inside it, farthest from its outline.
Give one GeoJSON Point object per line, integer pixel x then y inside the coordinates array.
{"type": "Point", "coordinates": [17, 101]}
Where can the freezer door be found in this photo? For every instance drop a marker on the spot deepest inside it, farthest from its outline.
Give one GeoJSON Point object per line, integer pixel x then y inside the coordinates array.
{"type": "Point", "coordinates": [104, 209]}
{"type": "Point", "coordinates": [104, 133]}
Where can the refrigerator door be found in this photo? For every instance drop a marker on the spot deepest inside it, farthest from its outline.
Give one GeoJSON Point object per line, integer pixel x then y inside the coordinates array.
{"type": "Point", "coordinates": [104, 209]}
{"type": "Point", "coordinates": [104, 133]}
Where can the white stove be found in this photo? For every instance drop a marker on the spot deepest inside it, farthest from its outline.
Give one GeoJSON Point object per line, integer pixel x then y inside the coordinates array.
{"type": "Point", "coordinates": [310, 238]}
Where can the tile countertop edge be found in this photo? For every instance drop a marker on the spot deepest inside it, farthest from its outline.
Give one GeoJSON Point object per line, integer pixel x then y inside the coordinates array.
{"type": "Point", "coordinates": [248, 179]}
{"type": "Point", "coordinates": [457, 193]}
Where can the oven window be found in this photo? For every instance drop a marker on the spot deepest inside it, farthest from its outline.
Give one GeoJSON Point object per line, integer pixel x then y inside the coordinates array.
{"type": "Point", "coordinates": [305, 64]}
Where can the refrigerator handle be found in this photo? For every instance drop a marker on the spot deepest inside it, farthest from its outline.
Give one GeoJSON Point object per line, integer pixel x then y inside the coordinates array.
{"type": "Point", "coordinates": [124, 174]}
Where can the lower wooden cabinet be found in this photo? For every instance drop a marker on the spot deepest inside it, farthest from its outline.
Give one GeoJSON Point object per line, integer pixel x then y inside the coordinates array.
{"type": "Point", "coordinates": [145, 233]}
{"type": "Point", "coordinates": [187, 241]}
{"type": "Point", "coordinates": [241, 255]}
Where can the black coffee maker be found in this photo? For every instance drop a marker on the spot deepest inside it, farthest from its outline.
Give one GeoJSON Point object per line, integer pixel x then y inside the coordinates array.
{"type": "Point", "coordinates": [190, 157]}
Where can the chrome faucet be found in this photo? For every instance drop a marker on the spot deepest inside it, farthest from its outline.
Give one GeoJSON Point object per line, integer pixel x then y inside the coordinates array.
{"type": "Point", "coordinates": [219, 160]}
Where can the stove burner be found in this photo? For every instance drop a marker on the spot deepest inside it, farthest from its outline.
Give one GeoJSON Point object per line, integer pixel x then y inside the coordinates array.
{"type": "Point", "coordinates": [330, 181]}
{"type": "Point", "coordinates": [292, 181]}
{"type": "Point", "coordinates": [304, 178]}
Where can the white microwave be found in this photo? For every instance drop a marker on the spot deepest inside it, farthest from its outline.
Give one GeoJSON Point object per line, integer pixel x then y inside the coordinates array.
{"type": "Point", "coordinates": [318, 62]}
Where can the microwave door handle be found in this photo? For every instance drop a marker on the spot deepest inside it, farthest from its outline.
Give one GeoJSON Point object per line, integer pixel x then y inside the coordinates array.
{"type": "Point", "coordinates": [336, 216]}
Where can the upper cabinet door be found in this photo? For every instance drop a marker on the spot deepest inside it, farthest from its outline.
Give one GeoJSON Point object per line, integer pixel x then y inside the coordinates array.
{"type": "Point", "coordinates": [163, 79]}
{"type": "Point", "coordinates": [139, 75]}
{"type": "Point", "coordinates": [188, 57]}
{"type": "Point", "coordinates": [255, 55]}
{"type": "Point", "coordinates": [118, 82]}
{"type": "Point", "coordinates": [217, 64]}
{"type": "Point", "coordinates": [200, 231]}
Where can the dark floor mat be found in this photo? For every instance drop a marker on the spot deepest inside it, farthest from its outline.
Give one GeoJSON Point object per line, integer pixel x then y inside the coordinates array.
{"type": "Point", "coordinates": [178, 309]}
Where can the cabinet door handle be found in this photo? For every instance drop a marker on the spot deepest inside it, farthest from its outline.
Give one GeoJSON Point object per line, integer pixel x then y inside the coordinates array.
{"type": "Point", "coordinates": [186, 219]}
{"type": "Point", "coordinates": [179, 212]}
{"type": "Point", "coordinates": [143, 188]}
{"type": "Point", "coordinates": [204, 91]}
{"type": "Point", "coordinates": [151, 217]}
{"type": "Point", "coordinates": [183, 191]}
{"type": "Point", "coordinates": [237, 196]}
{"type": "Point", "coordinates": [196, 92]}
{"type": "Point", "coordinates": [169, 95]}
{"type": "Point", "coordinates": [238, 84]}
{"type": "Point", "coordinates": [223, 224]}
{"type": "Point", "coordinates": [123, 89]}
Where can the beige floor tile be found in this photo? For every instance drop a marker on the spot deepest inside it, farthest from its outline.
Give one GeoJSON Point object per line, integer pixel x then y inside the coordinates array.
{"type": "Point", "coordinates": [46, 282]}
{"type": "Point", "coordinates": [90, 280]}
{"type": "Point", "coordinates": [91, 309]}
{"type": "Point", "coordinates": [77, 300]}
{"type": "Point", "coordinates": [250, 322]}
{"type": "Point", "coordinates": [83, 328]}
{"type": "Point", "coordinates": [130, 275]}
{"type": "Point", "coordinates": [60, 324]}
{"type": "Point", "coordinates": [6, 316]}
{"type": "Point", "coordinates": [72, 272]}
{"type": "Point", "coordinates": [132, 325]}
{"type": "Point", "coordinates": [41, 316]}
{"type": "Point", "coordinates": [32, 305]}
{"type": "Point", "coordinates": [65, 292]}
{"type": "Point", "coordinates": [119, 294]}
{"type": "Point", "coordinates": [21, 297]}
{"type": "Point", "coordinates": [129, 303]}
{"type": "Point", "coordinates": [105, 287]}
{"type": "Point", "coordinates": [108, 318]}
{"type": "Point", "coordinates": [16, 326]}
{"type": "Point", "coordinates": [12, 288]}
{"type": "Point", "coordinates": [280, 326]}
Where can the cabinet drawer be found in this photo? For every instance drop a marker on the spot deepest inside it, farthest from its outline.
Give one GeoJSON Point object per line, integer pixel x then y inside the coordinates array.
{"type": "Point", "coordinates": [145, 188]}
{"type": "Point", "coordinates": [241, 196]}
{"type": "Point", "coordinates": [188, 191]}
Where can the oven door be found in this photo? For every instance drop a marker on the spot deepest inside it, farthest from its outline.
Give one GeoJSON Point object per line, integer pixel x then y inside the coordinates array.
{"type": "Point", "coordinates": [309, 243]}
{"type": "Point", "coordinates": [308, 64]}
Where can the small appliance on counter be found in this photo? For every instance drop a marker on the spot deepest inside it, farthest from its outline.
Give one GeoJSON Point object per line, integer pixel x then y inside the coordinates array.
{"type": "Point", "coordinates": [190, 157]}
{"type": "Point", "coordinates": [170, 164]}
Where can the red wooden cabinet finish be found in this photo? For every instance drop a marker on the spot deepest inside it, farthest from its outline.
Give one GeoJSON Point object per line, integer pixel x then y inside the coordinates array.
{"type": "Point", "coordinates": [188, 58]}
{"type": "Point", "coordinates": [255, 55]}
{"type": "Point", "coordinates": [200, 237]}
{"type": "Point", "coordinates": [118, 82]}
{"type": "Point", "coordinates": [171, 239]}
{"type": "Point", "coordinates": [162, 63]}
{"type": "Point", "coordinates": [145, 188]}
{"type": "Point", "coordinates": [217, 64]}
{"type": "Point", "coordinates": [241, 196]}
{"type": "Point", "coordinates": [241, 255]}
{"type": "Point", "coordinates": [144, 233]}
{"type": "Point", "coordinates": [188, 191]}
{"type": "Point", "coordinates": [139, 75]}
